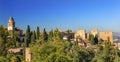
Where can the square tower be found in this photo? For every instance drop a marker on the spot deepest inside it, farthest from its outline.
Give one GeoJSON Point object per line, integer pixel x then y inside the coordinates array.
{"type": "Point", "coordinates": [106, 36]}
{"type": "Point", "coordinates": [27, 55]}
{"type": "Point", "coordinates": [11, 24]}
{"type": "Point", "coordinates": [80, 34]}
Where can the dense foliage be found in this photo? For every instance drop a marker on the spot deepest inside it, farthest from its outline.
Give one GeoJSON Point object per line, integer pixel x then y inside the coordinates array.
{"type": "Point", "coordinates": [50, 47]}
{"type": "Point", "coordinates": [8, 40]}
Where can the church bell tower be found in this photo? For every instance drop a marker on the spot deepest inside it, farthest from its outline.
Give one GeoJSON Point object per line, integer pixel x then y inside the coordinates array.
{"type": "Point", "coordinates": [11, 24]}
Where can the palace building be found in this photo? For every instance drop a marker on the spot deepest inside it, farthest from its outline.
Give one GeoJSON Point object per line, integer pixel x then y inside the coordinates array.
{"type": "Point", "coordinates": [80, 34]}
{"type": "Point", "coordinates": [106, 36]}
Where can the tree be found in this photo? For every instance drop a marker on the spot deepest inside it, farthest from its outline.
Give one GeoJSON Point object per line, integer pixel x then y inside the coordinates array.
{"type": "Point", "coordinates": [50, 36]}
{"type": "Point", "coordinates": [15, 59]}
{"type": "Point", "coordinates": [45, 35]}
{"type": "Point", "coordinates": [105, 54]}
{"type": "Point", "coordinates": [69, 36]}
{"type": "Point", "coordinates": [50, 51]}
{"type": "Point", "coordinates": [117, 58]}
{"type": "Point", "coordinates": [3, 37]}
{"type": "Point", "coordinates": [2, 47]}
{"type": "Point", "coordinates": [1, 31]}
{"type": "Point", "coordinates": [33, 37]}
{"type": "Point", "coordinates": [27, 36]}
{"type": "Point", "coordinates": [15, 39]}
{"type": "Point", "coordinates": [91, 39]}
{"type": "Point", "coordinates": [27, 40]}
{"type": "Point", "coordinates": [3, 59]}
{"type": "Point", "coordinates": [57, 34]}
{"type": "Point", "coordinates": [75, 50]}
{"type": "Point", "coordinates": [38, 33]}
{"type": "Point", "coordinates": [96, 39]}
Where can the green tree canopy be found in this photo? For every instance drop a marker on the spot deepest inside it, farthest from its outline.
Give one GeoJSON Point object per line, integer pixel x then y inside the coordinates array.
{"type": "Point", "coordinates": [27, 36]}
{"type": "Point", "coordinates": [45, 35]}
{"type": "Point", "coordinates": [37, 33]}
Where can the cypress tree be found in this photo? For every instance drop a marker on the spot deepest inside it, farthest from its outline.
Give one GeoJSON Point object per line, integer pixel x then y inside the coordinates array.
{"type": "Point", "coordinates": [57, 34]}
{"type": "Point", "coordinates": [50, 35]}
{"type": "Point", "coordinates": [33, 37]}
{"type": "Point", "coordinates": [69, 36]}
{"type": "Point", "coordinates": [91, 39]}
{"type": "Point", "coordinates": [27, 36]}
{"type": "Point", "coordinates": [27, 40]}
{"type": "Point", "coordinates": [45, 36]}
{"type": "Point", "coordinates": [38, 33]}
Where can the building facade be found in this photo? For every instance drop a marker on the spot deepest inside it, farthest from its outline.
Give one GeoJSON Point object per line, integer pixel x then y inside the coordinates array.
{"type": "Point", "coordinates": [106, 36]}
{"type": "Point", "coordinates": [80, 34]}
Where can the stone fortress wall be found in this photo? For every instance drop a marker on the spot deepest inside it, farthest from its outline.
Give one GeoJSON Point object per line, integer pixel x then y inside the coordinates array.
{"type": "Point", "coordinates": [104, 35]}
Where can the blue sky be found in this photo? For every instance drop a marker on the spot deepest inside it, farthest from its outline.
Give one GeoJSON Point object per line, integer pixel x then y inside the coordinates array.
{"type": "Point", "coordinates": [63, 14]}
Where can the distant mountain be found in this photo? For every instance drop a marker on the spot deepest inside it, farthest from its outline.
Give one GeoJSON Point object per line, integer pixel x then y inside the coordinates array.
{"type": "Point", "coordinates": [116, 35]}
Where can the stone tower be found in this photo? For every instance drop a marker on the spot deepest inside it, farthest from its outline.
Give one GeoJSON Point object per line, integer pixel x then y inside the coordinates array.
{"type": "Point", "coordinates": [106, 36]}
{"type": "Point", "coordinates": [27, 55]}
{"type": "Point", "coordinates": [94, 32]}
{"type": "Point", "coordinates": [11, 24]}
{"type": "Point", "coordinates": [81, 34]}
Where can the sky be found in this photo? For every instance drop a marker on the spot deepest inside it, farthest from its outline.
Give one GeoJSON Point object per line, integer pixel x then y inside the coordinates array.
{"type": "Point", "coordinates": [103, 15]}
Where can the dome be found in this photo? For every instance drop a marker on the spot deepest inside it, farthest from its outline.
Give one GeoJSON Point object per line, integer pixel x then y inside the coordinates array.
{"type": "Point", "coordinates": [11, 19]}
